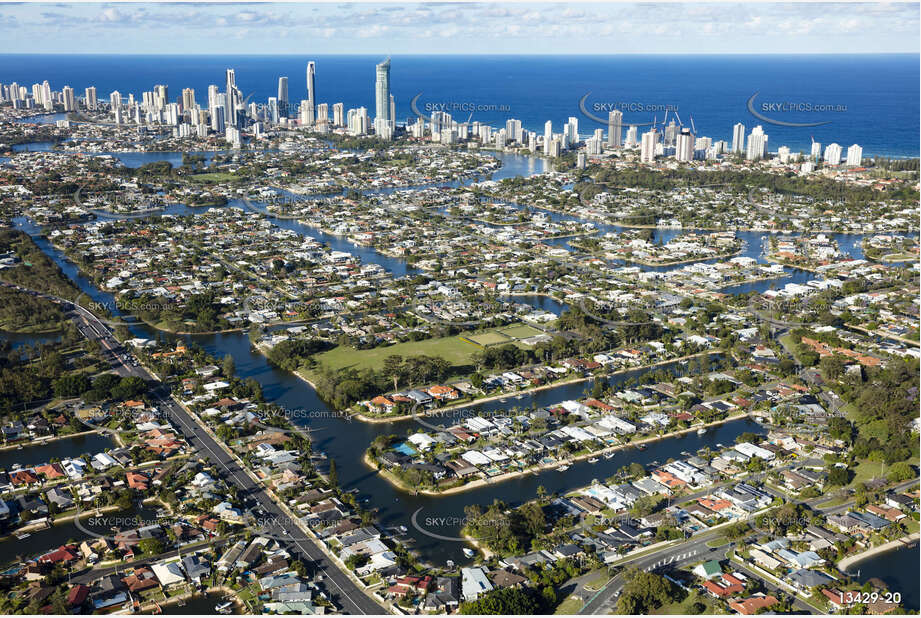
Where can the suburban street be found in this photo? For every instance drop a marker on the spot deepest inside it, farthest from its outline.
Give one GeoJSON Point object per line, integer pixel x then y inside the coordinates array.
{"type": "Point", "coordinates": [344, 592]}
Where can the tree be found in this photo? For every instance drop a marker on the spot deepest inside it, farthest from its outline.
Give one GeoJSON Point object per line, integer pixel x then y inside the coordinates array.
{"type": "Point", "coordinates": [900, 471]}
{"type": "Point", "coordinates": [151, 546]}
{"type": "Point", "coordinates": [832, 367]}
{"type": "Point", "coordinates": [646, 592]}
{"type": "Point", "coordinates": [228, 367]}
{"type": "Point", "coordinates": [839, 477]}
{"type": "Point", "coordinates": [333, 475]}
{"type": "Point", "coordinates": [840, 429]}
{"type": "Point", "coordinates": [507, 601]}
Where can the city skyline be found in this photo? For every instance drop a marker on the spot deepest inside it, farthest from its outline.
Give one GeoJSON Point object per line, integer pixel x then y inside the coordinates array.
{"type": "Point", "coordinates": [456, 28]}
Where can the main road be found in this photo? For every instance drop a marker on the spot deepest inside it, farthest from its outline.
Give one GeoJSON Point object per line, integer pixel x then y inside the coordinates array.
{"type": "Point", "coordinates": [275, 521]}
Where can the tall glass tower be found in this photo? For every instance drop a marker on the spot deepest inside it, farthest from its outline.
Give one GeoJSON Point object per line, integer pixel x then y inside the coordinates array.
{"type": "Point", "coordinates": [382, 91]}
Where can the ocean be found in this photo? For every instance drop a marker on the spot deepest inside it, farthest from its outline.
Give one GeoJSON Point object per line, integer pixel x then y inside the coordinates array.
{"type": "Point", "coordinates": [870, 100]}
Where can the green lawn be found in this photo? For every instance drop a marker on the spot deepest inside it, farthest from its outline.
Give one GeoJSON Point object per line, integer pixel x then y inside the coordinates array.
{"type": "Point", "coordinates": [717, 541]}
{"type": "Point", "coordinates": [570, 606]}
{"type": "Point", "coordinates": [521, 331]}
{"type": "Point", "coordinates": [212, 177]}
{"type": "Point", "coordinates": [452, 349]}
{"type": "Point", "coordinates": [867, 470]}
{"type": "Point", "coordinates": [490, 337]}
{"type": "Point", "coordinates": [599, 579]}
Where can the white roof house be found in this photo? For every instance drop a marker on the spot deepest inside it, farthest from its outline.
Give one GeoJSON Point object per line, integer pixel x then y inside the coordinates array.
{"type": "Point", "coordinates": [422, 441]}
{"type": "Point", "coordinates": [476, 458]}
{"type": "Point", "coordinates": [474, 583]}
{"type": "Point", "coordinates": [168, 573]}
{"type": "Point", "coordinates": [746, 448]}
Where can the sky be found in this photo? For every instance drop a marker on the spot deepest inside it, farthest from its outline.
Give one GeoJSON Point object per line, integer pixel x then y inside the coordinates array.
{"type": "Point", "coordinates": [459, 28]}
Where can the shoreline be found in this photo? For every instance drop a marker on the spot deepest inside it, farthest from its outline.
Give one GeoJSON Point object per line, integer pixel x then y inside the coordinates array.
{"type": "Point", "coordinates": [849, 561]}
{"type": "Point", "coordinates": [527, 391]}
{"type": "Point", "coordinates": [185, 596]}
{"type": "Point", "coordinates": [43, 441]}
{"type": "Point", "coordinates": [537, 469]}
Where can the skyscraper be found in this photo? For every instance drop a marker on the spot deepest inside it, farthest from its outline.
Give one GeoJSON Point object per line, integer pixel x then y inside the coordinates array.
{"type": "Point", "coordinates": [47, 99]}
{"type": "Point", "coordinates": [757, 144]}
{"type": "Point", "coordinates": [615, 122]}
{"type": "Point", "coordinates": [382, 91]}
{"type": "Point", "coordinates": [738, 138]}
{"type": "Point", "coordinates": [69, 102]}
{"type": "Point", "coordinates": [217, 119]}
{"type": "Point", "coordinates": [339, 114]}
{"type": "Point", "coordinates": [188, 99]}
{"type": "Point", "coordinates": [230, 114]}
{"type": "Point", "coordinates": [322, 114]}
{"type": "Point", "coordinates": [311, 101]}
{"type": "Point", "coordinates": [816, 152]}
{"type": "Point", "coordinates": [90, 99]}
{"type": "Point", "coordinates": [548, 135]}
{"type": "Point", "coordinates": [684, 148]}
{"type": "Point", "coordinates": [648, 146]}
{"type": "Point", "coordinates": [283, 96]}
{"type": "Point", "coordinates": [832, 154]}
{"type": "Point", "coordinates": [671, 133]}
{"type": "Point", "coordinates": [631, 137]}
{"type": "Point", "coordinates": [854, 155]}
{"type": "Point", "coordinates": [161, 96]}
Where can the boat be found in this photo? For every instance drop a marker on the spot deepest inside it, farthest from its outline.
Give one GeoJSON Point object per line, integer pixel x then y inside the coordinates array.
{"type": "Point", "coordinates": [224, 608]}
{"type": "Point", "coordinates": [701, 431]}
{"type": "Point", "coordinates": [593, 460]}
{"type": "Point", "coordinates": [503, 400]}
{"type": "Point", "coordinates": [23, 535]}
{"type": "Point", "coordinates": [563, 468]}
{"type": "Point", "coordinates": [609, 455]}
{"type": "Point", "coordinates": [642, 447]}
{"type": "Point", "coordinates": [469, 552]}
{"type": "Point", "coordinates": [449, 564]}
{"type": "Point", "coordinates": [519, 397]}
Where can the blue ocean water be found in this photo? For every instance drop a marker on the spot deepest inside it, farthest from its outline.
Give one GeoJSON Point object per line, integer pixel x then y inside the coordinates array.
{"type": "Point", "coordinates": [871, 100]}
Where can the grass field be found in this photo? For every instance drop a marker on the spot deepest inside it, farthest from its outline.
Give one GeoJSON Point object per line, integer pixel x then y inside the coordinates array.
{"type": "Point", "coordinates": [212, 177]}
{"type": "Point", "coordinates": [452, 349]}
{"type": "Point", "coordinates": [570, 606]}
{"type": "Point", "coordinates": [488, 338]}
{"type": "Point", "coordinates": [521, 331]}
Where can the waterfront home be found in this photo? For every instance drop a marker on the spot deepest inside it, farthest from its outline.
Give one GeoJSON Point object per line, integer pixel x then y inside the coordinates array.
{"type": "Point", "coordinates": [169, 573]}
{"type": "Point", "coordinates": [805, 579]}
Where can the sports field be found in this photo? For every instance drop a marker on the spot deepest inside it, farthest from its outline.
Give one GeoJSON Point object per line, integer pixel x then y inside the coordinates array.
{"type": "Point", "coordinates": [453, 349]}
{"type": "Point", "coordinates": [519, 331]}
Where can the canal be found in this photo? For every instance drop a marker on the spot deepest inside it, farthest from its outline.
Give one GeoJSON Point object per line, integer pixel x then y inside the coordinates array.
{"type": "Point", "coordinates": [345, 440]}
{"type": "Point", "coordinates": [899, 569]}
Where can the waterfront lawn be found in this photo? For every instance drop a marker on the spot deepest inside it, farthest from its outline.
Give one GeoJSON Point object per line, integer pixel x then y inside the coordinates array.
{"type": "Point", "coordinates": [453, 349]}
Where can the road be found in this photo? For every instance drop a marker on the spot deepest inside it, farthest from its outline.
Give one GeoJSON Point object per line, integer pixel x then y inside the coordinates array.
{"type": "Point", "coordinates": [691, 551]}
{"type": "Point", "coordinates": [344, 592]}
{"type": "Point", "coordinates": [696, 550]}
